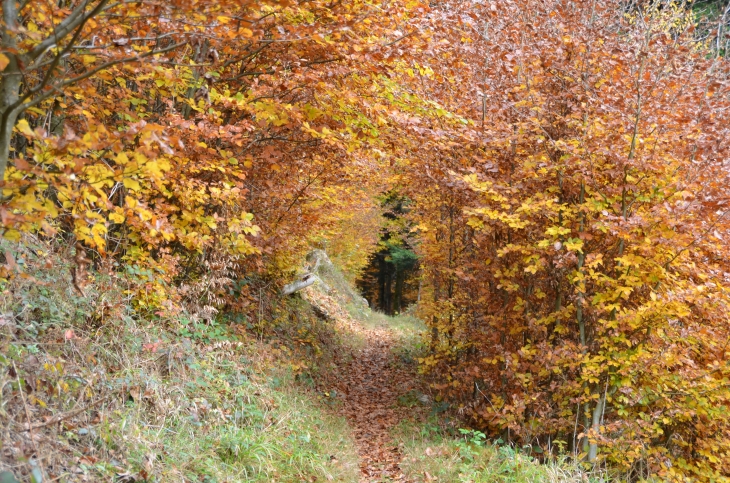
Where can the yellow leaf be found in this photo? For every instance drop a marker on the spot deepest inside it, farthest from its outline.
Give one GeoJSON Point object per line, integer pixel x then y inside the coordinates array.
{"type": "Point", "coordinates": [132, 184]}
{"type": "Point", "coordinates": [88, 59]}
{"type": "Point", "coordinates": [574, 244]}
{"type": "Point", "coordinates": [4, 61]}
{"type": "Point", "coordinates": [12, 235]}
{"type": "Point", "coordinates": [153, 169]}
{"type": "Point", "coordinates": [24, 127]}
{"type": "Point", "coordinates": [122, 158]}
{"type": "Point", "coordinates": [116, 217]}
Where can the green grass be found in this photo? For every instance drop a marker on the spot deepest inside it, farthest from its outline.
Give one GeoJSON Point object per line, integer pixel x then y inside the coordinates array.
{"type": "Point", "coordinates": [213, 417]}
{"type": "Point", "coordinates": [432, 454]}
{"type": "Point", "coordinates": [163, 399]}
{"type": "Point", "coordinates": [214, 414]}
{"type": "Point", "coordinates": [184, 401]}
{"type": "Point", "coordinates": [229, 427]}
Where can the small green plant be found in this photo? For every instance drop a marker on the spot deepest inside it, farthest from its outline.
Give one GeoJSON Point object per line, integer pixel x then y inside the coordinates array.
{"type": "Point", "coordinates": [470, 443]}
{"type": "Point", "coordinates": [409, 399]}
{"type": "Point", "coordinates": [207, 332]}
{"type": "Point", "coordinates": [474, 437]}
{"type": "Point", "coordinates": [468, 456]}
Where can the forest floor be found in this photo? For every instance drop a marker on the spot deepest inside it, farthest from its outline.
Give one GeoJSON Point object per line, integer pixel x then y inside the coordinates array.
{"type": "Point", "coordinates": [90, 391]}
{"type": "Point", "coordinates": [373, 383]}
{"type": "Point", "coordinates": [400, 432]}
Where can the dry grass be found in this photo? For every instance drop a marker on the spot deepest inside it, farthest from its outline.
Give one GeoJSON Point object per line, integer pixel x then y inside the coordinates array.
{"type": "Point", "coordinates": [91, 392]}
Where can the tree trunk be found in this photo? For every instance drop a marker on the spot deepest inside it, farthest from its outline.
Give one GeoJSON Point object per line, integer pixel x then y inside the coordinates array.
{"type": "Point", "coordinates": [382, 266]}
{"type": "Point", "coordinates": [388, 302]}
{"type": "Point", "coordinates": [303, 282]}
{"type": "Point", "coordinates": [596, 427]}
{"type": "Point", "coordinates": [9, 84]}
{"type": "Point", "coordinates": [398, 302]}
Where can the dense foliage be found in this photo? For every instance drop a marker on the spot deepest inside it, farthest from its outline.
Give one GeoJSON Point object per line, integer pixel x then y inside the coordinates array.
{"type": "Point", "coordinates": [575, 236]}
{"type": "Point", "coordinates": [244, 118]}
{"type": "Point", "coordinates": [564, 165]}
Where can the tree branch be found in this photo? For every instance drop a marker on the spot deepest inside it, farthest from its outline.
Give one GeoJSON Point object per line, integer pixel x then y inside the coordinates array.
{"type": "Point", "coordinates": [85, 75]}
{"type": "Point", "coordinates": [69, 24]}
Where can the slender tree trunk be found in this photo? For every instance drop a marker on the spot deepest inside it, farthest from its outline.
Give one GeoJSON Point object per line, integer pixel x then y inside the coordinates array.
{"type": "Point", "coordinates": [434, 319]}
{"type": "Point", "coordinates": [10, 82]}
{"type": "Point", "coordinates": [595, 426]}
{"type": "Point", "coordinates": [381, 282]}
{"type": "Point", "coordinates": [388, 291]}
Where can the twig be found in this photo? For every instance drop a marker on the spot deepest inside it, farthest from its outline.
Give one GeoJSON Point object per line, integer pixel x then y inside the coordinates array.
{"type": "Point", "coordinates": [62, 416]}
{"type": "Point", "coordinates": [400, 38]}
{"type": "Point", "coordinates": [25, 406]}
{"type": "Point", "coordinates": [22, 397]}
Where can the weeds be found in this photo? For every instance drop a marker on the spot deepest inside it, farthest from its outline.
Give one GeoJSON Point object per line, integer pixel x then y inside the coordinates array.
{"type": "Point", "coordinates": [91, 391]}
{"type": "Point", "coordinates": [437, 452]}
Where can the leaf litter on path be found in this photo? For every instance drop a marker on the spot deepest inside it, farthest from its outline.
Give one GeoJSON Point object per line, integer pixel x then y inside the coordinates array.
{"type": "Point", "coordinates": [370, 381]}
{"type": "Point", "coordinates": [371, 384]}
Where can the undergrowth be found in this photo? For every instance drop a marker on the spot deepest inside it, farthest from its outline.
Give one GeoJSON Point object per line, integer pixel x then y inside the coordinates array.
{"type": "Point", "coordinates": [434, 451]}
{"type": "Point", "coordinates": [92, 391]}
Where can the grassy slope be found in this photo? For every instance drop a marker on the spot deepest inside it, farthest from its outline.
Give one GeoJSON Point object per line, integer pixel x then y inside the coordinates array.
{"type": "Point", "coordinates": [168, 400]}
{"type": "Point", "coordinates": [158, 406]}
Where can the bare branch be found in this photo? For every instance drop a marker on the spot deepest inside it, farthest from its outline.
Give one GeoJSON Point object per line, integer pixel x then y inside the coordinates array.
{"type": "Point", "coordinates": [49, 73]}
{"type": "Point", "coordinates": [78, 17]}
{"type": "Point", "coordinates": [56, 89]}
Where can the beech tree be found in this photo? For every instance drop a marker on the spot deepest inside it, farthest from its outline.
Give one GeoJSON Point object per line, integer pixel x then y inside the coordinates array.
{"type": "Point", "coordinates": [46, 48]}
{"type": "Point", "coordinates": [573, 232]}
{"type": "Point", "coordinates": [564, 162]}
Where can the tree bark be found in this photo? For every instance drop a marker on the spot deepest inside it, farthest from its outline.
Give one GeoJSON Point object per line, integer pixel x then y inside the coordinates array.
{"type": "Point", "coordinates": [304, 282]}
{"type": "Point", "coordinates": [309, 278]}
{"type": "Point", "coordinates": [9, 83]}
{"type": "Point", "coordinates": [596, 427]}
{"type": "Point", "coordinates": [398, 302]}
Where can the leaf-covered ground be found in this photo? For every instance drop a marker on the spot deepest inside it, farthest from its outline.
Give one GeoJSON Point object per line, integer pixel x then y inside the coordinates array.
{"type": "Point", "coordinates": [372, 385]}
{"type": "Point", "coordinates": [371, 382]}
{"type": "Point", "coordinates": [401, 434]}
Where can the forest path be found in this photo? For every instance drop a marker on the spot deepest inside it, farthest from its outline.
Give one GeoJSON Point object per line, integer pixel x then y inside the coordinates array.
{"type": "Point", "coordinates": [373, 383]}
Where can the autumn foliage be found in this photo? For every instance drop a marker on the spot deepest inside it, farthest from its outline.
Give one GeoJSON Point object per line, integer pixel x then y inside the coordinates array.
{"type": "Point", "coordinates": [574, 234]}
{"type": "Point", "coordinates": [192, 127]}
{"type": "Point", "coordinates": [564, 162]}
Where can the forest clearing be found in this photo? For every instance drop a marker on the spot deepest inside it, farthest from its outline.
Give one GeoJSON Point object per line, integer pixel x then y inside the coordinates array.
{"type": "Point", "coordinates": [364, 241]}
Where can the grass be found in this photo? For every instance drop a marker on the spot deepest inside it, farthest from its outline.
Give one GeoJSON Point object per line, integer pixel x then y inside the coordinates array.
{"type": "Point", "coordinates": [157, 400]}
{"type": "Point", "coordinates": [150, 399]}
{"type": "Point", "coordinates": [231, 427]}
{"type": "Point", "coordinates": [432, 452]}
{"type": "Point", "coordinates": [216, 415]}
{"type": "Point", "coordinates": [434, 446]}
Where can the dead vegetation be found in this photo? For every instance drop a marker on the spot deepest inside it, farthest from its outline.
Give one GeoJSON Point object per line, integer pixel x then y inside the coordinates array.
{"type": "Point", "coordinates": [91, 391]}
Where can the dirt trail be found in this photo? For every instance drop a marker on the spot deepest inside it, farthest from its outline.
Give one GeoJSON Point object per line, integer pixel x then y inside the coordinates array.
{"type": "Point", "coordinates": [371, 384]}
